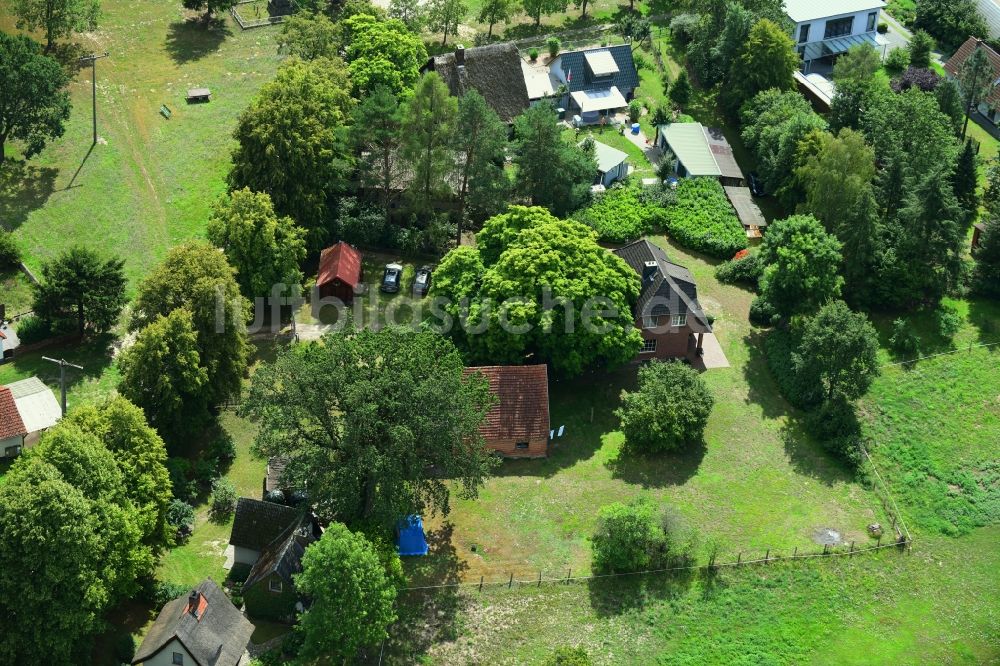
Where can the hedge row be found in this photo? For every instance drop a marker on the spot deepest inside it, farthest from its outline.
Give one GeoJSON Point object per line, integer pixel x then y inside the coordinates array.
{"type": "Point", "coordinates": [704, 220]}
{"type": "Point", "coordinates": [626, 213]}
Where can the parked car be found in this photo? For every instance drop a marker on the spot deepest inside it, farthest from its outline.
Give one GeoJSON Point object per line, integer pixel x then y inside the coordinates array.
{"type": "Point", "coordinates": [756, 187]}
{"type": "Point", "coordinates": [391, 278]}
{"type": "Point", "coordinates": [422, 281]}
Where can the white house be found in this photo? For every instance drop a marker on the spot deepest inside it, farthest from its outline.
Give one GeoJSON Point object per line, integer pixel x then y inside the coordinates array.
{"type": "Point", "coordinates": [612, 164]}
{"type": "Point", "coordinates": [27, 408]}
{"type": "Point", "coordinates": [824, 30]}
{"type": "Point", "coordinates": [990, 9]}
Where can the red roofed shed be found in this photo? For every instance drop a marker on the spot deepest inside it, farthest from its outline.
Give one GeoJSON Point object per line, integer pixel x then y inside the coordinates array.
{"type": "Point", "coordinates": [518, 425]}
{"type": "Point", "coordinates": [12, 429]}
{"type": "Point", "coordinates": [339, 272]}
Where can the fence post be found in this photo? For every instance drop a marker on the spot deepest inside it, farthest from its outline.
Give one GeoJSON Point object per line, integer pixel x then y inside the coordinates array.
{"type": "Point", "coordinates": [795, 553]}
{"type": "Point", "coordinates": [878, 543]}
{"type": "Point", "coordinates": [481, 583]}
{"type": "Point", "coordinates": [851, 553]}
{"type": "Point", "coordinates": [510, 584]}
{"type": "Point", "coordinates": [569, 574]}
{"type": "Point", "coordinates": [766, 555]}
{"type": "Point", "coordinates": [824, 548]}
{"type": "Point", "coordinates": [738, 558]}
{"type": "Point", "coordinates": [539, 579]}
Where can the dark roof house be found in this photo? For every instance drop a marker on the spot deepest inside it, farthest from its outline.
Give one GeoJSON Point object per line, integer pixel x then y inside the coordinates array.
{"type": "Point", "coordinates": [598, 68]}
{"type": "Point", "coordinates": [494, 71]}
{"type": "Point", "coordinates": [518, 424]}
{"type": "Point", "coordinates": [339, 271]}
{"type": "Point", "coordinates": [953, 67]}
{"type": "Point", "coordinates": [203, 626]}
{"type": "Point", "coordinates": [258, 523]}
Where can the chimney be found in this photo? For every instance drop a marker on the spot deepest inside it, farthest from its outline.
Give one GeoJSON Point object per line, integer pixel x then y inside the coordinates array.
{"type": "Point", "coordinates": [460, 55]}
{"type": "Point", "coordinates": [197, 603]}
{"type": "Point", "coordinates": [649, 271]}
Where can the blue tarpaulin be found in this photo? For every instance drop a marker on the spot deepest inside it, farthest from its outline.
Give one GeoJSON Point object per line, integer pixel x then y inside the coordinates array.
{"type": "Point", "coordinates": [411, 536]}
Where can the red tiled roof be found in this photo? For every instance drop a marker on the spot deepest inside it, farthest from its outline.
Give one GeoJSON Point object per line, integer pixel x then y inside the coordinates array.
{"type": "Point", "coordinates": [522, 410]}
{"type": "Point", "coordinates": [11, 424]}
{"type": "Point", "coordinates": [340, 261]}
{"type": "Point", "coordinates": [954, 65]}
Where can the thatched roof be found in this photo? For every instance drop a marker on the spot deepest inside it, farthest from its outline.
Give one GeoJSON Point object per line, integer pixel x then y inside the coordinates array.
{"type": "Point", "coordinates": [493, 71]}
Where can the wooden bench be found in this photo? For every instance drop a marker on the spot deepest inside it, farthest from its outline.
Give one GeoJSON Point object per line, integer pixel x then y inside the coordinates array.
{"type": "Point", "coordinates": [198, 95]}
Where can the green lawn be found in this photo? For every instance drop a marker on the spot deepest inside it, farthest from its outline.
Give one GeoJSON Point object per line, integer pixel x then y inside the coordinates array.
{"type": "Point", "coordinates": [97, 380]}
{"type": "Point", "coordinates": [149, 182]}
{"type": "Point", "coordinates": [15, 292]}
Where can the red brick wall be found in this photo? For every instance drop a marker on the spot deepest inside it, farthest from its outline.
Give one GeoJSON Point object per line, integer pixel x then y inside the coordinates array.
{"type": "Point", "coordinates": [537, 448]}
{"type": "Point", "coordinates": [670, 343]}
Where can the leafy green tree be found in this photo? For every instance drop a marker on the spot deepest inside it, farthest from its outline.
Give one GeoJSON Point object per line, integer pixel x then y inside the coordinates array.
{"type": "Point", "coordinates": [35, 105]}
{"type": "Point", "coordinates": [550, 171]}
{"type": "Point", "coordinates": [309, 36]}
{"type": "Point", "coordinates": [920, 47]}
{"type": "Point", "coordinates": [78, 287]}
{"type": "Point", "coordinates": [264, 249]}
{"type": "Point", "coordinates": [352, 597]}
{"type": "Point", "coordinates": [410, 12]}
{"type": "Point", "coordinates": [377, 136]}
{"type": "Point", "coordinates": [57, 18]}
{"type": "Point", "coordinates": [839, 351]}
{"type": "Point", "coordinates": [975, 81]}
{"type": "Point", "coordinates": [986, 272]}
{"type": "Point", "coordinates": [965, 180]}
{"type": "Point", "coordinates": [859, 64]}
{"type": "Point", "coordinates": [141, 457]}
{"type": "Point", "coordinates": [292, 142]}
{"type": "Point", "coordinates": [223, 500]}
{"type": "Point", "coordinates": [10, 252]}
{"type": "Point", "coordinates": [382, 53]}
{"type": "Point", "coordinates": [444, 16]}
{"type": "Point", "coordinates": [342, 411]}
{"type": "Point", "coordinates": [427, 130]}
{"type": "Point", "coordinates": [632, 28]}
{"type": "Point", "coordinates": [162, 374]}
{"type": "Point", "coordinates": [197, 277]}
{"type": "Point", "coordinates": [479, 145]}
{"type": "Point", "coordinates": [500, 11]}
{"type": "Point", "coordinates": [950, 22]}
{"type": "Point", "coordinates": [536, 9]}
{"type": "Point", "coordinates": [627, 537]}
{"type": "Point", "coordinates": [949, 99]}
{"type": "Point", "coordinates": [680, 90]}
{"type": "Point", "coordinates": [801, 266]}
{"type": "Point", "coordinates": [669, 411]}
{"type": "Point", "coordinates": [769, 60]}
{"type": "Point", "coordinates": [211, 7]}
{"type": "Point", "coordinates": [536, 298]}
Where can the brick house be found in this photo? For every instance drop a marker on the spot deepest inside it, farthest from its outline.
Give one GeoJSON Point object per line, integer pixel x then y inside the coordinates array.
{"type": "Point", "coordinates": [668, 313]}
{"type": "Point", "coordinates": [517, 426]}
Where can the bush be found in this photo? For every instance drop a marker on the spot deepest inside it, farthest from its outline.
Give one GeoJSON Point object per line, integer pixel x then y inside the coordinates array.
{"type": "Point", "coordinates": [634, 110]}
{"type": "Point", "coordinates": [661, 116]}
{"type": "Point", "coordinates": [180, 515]}
{"type": "Point", "coordinates": [553, 45]}
{"type": "Point", "coordinates": [533, 54]}
{"type": "Point", "coordinates": [745, 271]}
{"type": "Point", "coordinates": [220, 450]}
{"type": "Point", "coordinates": [835, 425]}
{"type": "Point", "coordinates": [680, 539]}
{"type": "Point", "coordinates": [799, 389]}
{"type": "Point", "coordinates": [181, 483]}
{"type": "Point", "coordinates": [897, 60]}
{"type": "Point", "coordinates": [621, 215]}
{"type": "Point", "coordinates": [669, 410]}
{"type": "Point", "coordinates": [627, 537]}
{"type": "Point", "coordinates": [883, 28]}
{"type": "Point", "coordinates": [641, 62]}
{"type": "Point", "coordinates": [32, 329]}
{"type": "Point", "coordinates": [568, 656]}
{"type": "Point", "coordinates": [164, 592]}
{"type": "Point", "coordinates": [925, 79]}
{"type": "Point", "coordinates": [223, 498]}
{"type": "Point", "coordinates": [949, 322]}
{"type": "Point", "coordinates": [704, 220]}
{"type": "Point", "coordinates": [903, 340]}
{"type": "Point", "coordinates": [683, 28]}
{"type": "Point", "coordinates": [10, 253]}
{"type": "Point", "coordinates": [762, 312]}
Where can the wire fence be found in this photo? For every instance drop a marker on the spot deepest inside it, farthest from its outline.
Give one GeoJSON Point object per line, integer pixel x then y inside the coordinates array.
{"type": "Point", "coordinates": [968, 348]}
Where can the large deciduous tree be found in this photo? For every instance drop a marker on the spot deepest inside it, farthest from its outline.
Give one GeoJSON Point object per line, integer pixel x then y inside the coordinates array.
{"type": "Point", "coordinates": [310, 36]}
{"type": "Point", "coordinates": [669, 411]}
{"type": "Point", "coordinates": [80, 288]}
{"type": "Point", "coordinates": [162, 374]}
{"type": "Point", "coordinates": [427, 130]}
{"type": "Point", "coordinates": [550, 171]}
{"type": "Point", "coordinates": [265, 249]}
{"type": "Point", "coordinates": [372, 423]}
{"type": "Point", "coordinates": [540, 289]}
{"type": "Point", "coordinates": [499, 11]}
{"type": "Point", "coordinates": [536, 9]}
{"type": "Point", "coordinates": [479, 144]}
{"type": "Point", "coordinates": [34, 105]}
{"type": "Point", "coordinates": [950, 22]}
{"type": "Point", "coordinates": [57, 18]}
{"type": "Point", "coordinates": [211, 7]}
{"type": "Point", "coordinates": [292, 142]}
{"type": "Point", "coordinates": [196, 276]}
{"type": "Point", "coordinates": [444, 16]}
{"type": "Point", "coordinates": [382, 53]}
{"type": "Point", "coordinates": [838, 352]}
{"type": "Point", "coordinates": [801, 266]}
{"type": "Point", "coordinates": [351, 596]}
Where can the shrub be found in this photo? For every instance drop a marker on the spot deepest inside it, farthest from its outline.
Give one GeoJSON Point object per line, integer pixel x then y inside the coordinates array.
{"type": "Point", "coordinates": [533, 54]}
{"type": "Point", "coordinates": [223, 498]}
{"type": "Point", "coordinates": [32, 329]}
{"type": "Point", "coordinates": [553, 45]}
{"type": "Point", "coordinates": [164, 592]}
{"type": "Point", "coordinates": [703, 219]}
{"type": "Point", "coordinates": [661, 116]}
{"type": "Point", "coordinates": [634, 110]}
{"type": "Point", "coordinates": [10, 253]}
{"type": "Point", "coordinates": [762, 312]}
{"type": "Point", "coordinates": [746, 270]}
{"type": "Point", "coordinates": [683, 28]}
{"type": "Point", "coordinates": [903, 340]}
{"type": "Point", "coordinates": [627, 537]}
{"type": "Point", "coordinates": [883, 28]}
{"type": "Point", "coordinates": [925, 79]}
{"type": "Point", "coordinates": [640, 61]}
{"type": "Point", "coordinates": [680, 92]}
{"type": "Point", "coordinates": [897, 60]}
{"type": "Point", "coordinates": [568, 656]}
{"type": "Point", "coordinates": [835, 425]}
{"type": "Point", "coordinates": [221, 450]}
{"type": "Point", "coordinates": [669, 410]}
{"type": "Point", "coordinates": [680, 539]}
{"type": "Point", "coordinates": [181, 483]}
{"type": "Point", "coordinates": [621, 215]}
{"type": "Point", "coordinates": [949, 322]}
{"type": "Point", "coordinates": [180, 515]}
{"type": "Point", "coordinates": [798, 388]}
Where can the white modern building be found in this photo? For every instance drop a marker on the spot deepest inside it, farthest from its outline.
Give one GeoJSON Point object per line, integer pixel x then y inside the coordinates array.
{"type": "Point", "coordinates": [990, 9]}
{"type": "Point", "coordinates": [824, 30]}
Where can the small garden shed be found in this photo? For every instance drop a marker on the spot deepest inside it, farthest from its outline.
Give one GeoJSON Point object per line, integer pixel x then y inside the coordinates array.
{"type": "Point", "coordinates": [339, 272]}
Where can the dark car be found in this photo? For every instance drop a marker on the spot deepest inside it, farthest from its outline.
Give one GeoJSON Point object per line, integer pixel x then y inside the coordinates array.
{"type": "Point", "coordinates": [391, 278]}
{"type": "Point", "coordinates": [422, 281]}
{"type": "Point", "coordinates": [756, 187]}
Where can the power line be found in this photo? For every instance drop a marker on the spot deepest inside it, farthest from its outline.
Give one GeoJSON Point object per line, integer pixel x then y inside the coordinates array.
{"type": "Point", "coordinates": [63, 364]}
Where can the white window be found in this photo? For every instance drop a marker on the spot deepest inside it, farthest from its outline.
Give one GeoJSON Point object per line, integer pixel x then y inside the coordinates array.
{"type": "Point", "coordinates": [649, 321]}
{"type": "Point", "coordinates": [871, 21]}
{"type": "Point", "coordinates": [274, 585]}
{"type": "Point", "coordinates": [178, 659]}
{"type": "Point", "coordinates": [679, 320]}
{"type": "Point", "coordinates": [804, 34]}
{"type": "Point", "coordinates": [648, 346]}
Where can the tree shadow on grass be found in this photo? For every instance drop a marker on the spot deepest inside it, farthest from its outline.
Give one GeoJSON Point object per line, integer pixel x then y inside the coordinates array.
{"type": "Point", "coordinates": [808, 457]}
{"type": "Point", "coordinates": [426, 617]}
{"type": "Point", "coordinates": [620, 595]}
{"type": "Point", "coordinates": [194, 38]}
{"type": "Point", "coordinates": [23, 189]}
{"type": "Point", "coordinates": [763, 389]}
{"type": "Point", "coordinates": [985, 316]}
{"type": "Point", "coordinates": [657, 470]}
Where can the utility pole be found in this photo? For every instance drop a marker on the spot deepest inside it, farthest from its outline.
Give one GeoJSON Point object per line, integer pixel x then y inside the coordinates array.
{"type": "Point", "coordinates": [93, 58]}
{"type": "Point", "coordinates": [62, 363]}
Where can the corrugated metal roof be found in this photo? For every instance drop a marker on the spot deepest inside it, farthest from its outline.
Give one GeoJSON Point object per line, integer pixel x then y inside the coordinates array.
{"type": "Point", "coordinates": [810, 10]}
{"type": "Point", "coordinates": [690, 144]}
{"type": "Point", "coordinates": [746, 208]}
